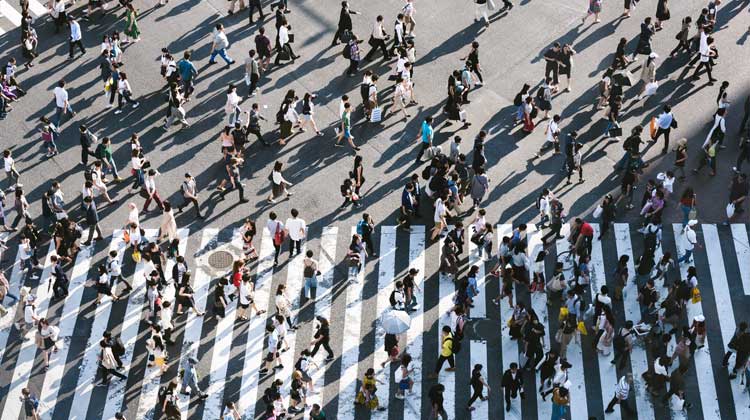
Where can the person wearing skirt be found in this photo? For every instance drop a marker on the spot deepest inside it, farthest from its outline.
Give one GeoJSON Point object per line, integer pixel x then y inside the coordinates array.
{"type": "Point", "coordinates": [595, 7]}
{"type": "Point", "coordinates": [103, 288]}
{"type": "Point", "coordinates": [662, 13]}
{"type": "Point", "coordinates": [278, 183]}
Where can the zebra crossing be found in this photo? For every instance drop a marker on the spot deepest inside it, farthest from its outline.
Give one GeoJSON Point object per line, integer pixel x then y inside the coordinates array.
{"type": "Point", "coordinates": [10, 13]}
{"type": "Point", "coordinates": [231, 352]}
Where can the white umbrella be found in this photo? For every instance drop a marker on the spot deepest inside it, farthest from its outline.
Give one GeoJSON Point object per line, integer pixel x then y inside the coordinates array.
{"type": "Point", "coordinates": [395, 322]}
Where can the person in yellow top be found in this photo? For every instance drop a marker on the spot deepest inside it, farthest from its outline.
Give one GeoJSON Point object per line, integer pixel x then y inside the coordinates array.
{"type": "Point", "coordinates": [366, 395]}
{"type": "Point", "coordinates": [446, 352]}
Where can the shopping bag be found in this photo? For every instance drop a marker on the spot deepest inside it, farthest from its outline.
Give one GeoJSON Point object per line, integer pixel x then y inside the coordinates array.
{"type": "Point", "coordinates": [651, 88]}
{"type": "Point", "coordinates": [462, 116]}
{"type": "Point", "coordinates": [730, 210]}
{"type": "Point", "coordinates": [615, 132]}
{"type": "Point", "coordinates": [247, 79]}
{"type": "Point", "coordinates": [136, 256]}
{"type": "Point", "coordinates": [652, 127]}
{"type": "Point", "coordinates": [376, 115]}
{"type": "Point", "coordinates": [491, 5]}
{"type": "Point", "coordinates": [598, 211]}
{"type": "Point", "coordinates": [582, 328]}
{"type": "Point", "coordinates": [693, 214]}
{"type": "Point", "coordinates": [695, 295]}
{"type": "Point", "coordinates": [563, 314]}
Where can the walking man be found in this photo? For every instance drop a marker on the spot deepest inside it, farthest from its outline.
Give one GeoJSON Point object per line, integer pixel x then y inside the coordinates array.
{"type": "Point", "coordinates": [426, 133]}
{"type": "Point", "coordinates": [512, 382]}
{"type": "Point", "coordinates": [377, 40]}
{"type": "Point", "coordinates": [296, 228]}
{"type": "Point", "coordinates": [665, 123]}
{"type": "Point", "coordinates": [190, 195]}
{"type": "Point", "coordinates": [61, 103]}
{"type": "Point", "coordinates": [75, 37]}
{"type": "Point", "coordinates": [188, 72]}
{"type": "Point", "coordinates": [345, 23]}
{"type": "Point", "coordinates": [190, 378]}
{"type": "Point", "coordinates": [622, 390]}
{"type": "Point", "coordinates": [92, 219]}
{"type": "Point", "coordinates": [219, 46]}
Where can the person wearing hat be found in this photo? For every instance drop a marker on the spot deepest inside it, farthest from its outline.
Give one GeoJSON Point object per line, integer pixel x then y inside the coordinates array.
{"type": "Point", "coordinates": [190, 378]}
{"type": "Point", "coordinates": [690, 241]}
{"type": "Point", "coordinates": [190, 195]}
{"type": "Point", "coordinates": [648, 73]}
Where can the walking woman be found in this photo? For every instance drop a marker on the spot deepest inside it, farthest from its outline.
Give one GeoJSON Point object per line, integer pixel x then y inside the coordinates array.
{"type": "Point", "coordinates": [124, 93]}
{"type": "Point", "coordinates": [278, 183]}
{"type": "Point", "coordinates": [29, 44]}
{"type": "Point", "coordinates": [357, 174]}
{"type": "Point", "coordinates": [477, 386]}
{"type": "Point", "coordinates": [289, 118]}
{"type": "Point", "coordinates": [566, 64]}
{"type": "Point", "coordinates": [131, 24]}
{"type": "Point", "coordinates": [595, 7]}
{"type": "Point", "coordinates": [682, 37]}
{"type": "Point", "coordinates": [628, 5]}
{"type": "Point", "coordinates": [48, 335]}
{"type": "Point", "coordinates": [307, 114]}
{"type": "Point", "coordinates": [520, 101]}
{"type": "Point", "coordinates": [103, 286]}
{"type": "Point", "coordinates": [232, 107]}
{"type": "Point", "coordinates": [680, 158]}
{"type": "Point", "coordinates": [284, 305]}
{"type": "Point", "coordinates": [662, 14]}
{"type": "Point", "coordinates": [687, 205]}
{"type": "Point", "coordinates": [185, 296]}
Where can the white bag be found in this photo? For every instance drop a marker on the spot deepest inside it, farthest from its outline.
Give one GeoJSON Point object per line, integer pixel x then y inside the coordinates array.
{"type": "Point", "coordinates": [462, 116]}
{"type": "Point", "coordinates": [598, 211]}
{"type": "Point", "coordinates": [398, 375]}
{"type": "Point", "coordinates": [651, 88]}
{"type": "Point", "coordinates": [491, 5]}
{"type": "Point", "coordinates": [247, 79]}
{"type": "Point", "coordinates": [376, 115]}
{"type": "Point", "coordinates": [730, 210]}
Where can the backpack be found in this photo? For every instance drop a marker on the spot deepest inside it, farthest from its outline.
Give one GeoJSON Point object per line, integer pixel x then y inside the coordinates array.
{"type": "Point", "coordinates": [346, 36]}
{"type": "Point", "coordinates": [361, 227]}
{"type": "Point", "coordinates": [298, 365]}
{"type": "Point", "coordinates": [347, 51]}
{"type": "Point", "coordinates": [517, 101]}
{"type": "Point", "coordinates": [392, 298]}
{"type": "Point", "coordinates": [619, 342]}
{"type": "Point", "coordinates": [455, 346]}
{"type": "Point", "coordinates": [88, 175]}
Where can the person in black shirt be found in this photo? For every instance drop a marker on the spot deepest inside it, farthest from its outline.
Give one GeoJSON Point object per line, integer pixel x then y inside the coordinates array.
{"type": "Point", "coordinates": [626, 187]}
{"type": "Point", "coordinates": [513, 383]}
{"type": "Point", "coordinates": [436, 402]}
{"type": "Point", "coordinates": [738, 192]}
{"type": "Point", "coordinates": [477, 386]}
{"type": "Point", "coordinates": [234, 180]}
{"type": "Point", "coordinates": [322, 337]}
{"type": "Point", "coordinates": [472, 62]}
{"type": "Point", "coordinates": [552, 59]}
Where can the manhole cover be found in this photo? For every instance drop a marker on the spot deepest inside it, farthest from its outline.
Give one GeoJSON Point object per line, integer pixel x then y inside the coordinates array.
{"type": "Point", "coordinates": [220, 259]}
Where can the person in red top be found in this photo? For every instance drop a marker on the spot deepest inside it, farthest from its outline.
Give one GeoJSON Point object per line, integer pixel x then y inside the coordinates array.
{"type": "Point", "coordinates": [585, 237]}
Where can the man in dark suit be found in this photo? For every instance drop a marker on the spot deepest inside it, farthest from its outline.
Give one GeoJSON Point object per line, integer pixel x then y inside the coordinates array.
{"type": "Point", "coordinates": [513, 384]}
{"type": "Point", "coordinates": [92, 219]}
{"type": "Point", "coordinates": [252, 5]}
{"type": "Point", "coordinates": [457, 234]}
{"type": "Point", "coordinates": [60, 286]}
{"type": "Point", "coordinates": [345, 22]}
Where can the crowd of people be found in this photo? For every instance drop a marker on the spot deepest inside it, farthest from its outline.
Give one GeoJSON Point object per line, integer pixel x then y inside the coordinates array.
{"type": "Point", "coordinates": [441, 188]}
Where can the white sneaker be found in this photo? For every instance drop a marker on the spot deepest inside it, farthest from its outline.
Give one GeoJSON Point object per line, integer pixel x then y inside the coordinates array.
{"type": "Point", "coordinates": [135, 105]}
{"type": "Point", "coordinates": [109, 105]}
{"type": "Point", "coordinates": [119, 111]}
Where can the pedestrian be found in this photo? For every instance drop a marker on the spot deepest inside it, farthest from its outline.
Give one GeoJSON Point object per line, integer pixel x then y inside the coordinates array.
{"type": "Point", "coordinates": [168, 395]}
{"type": "Point", "coordinates": [738, 192]}
{"type": "Point", "coordinates": [276, 228]}
{"type": "Point", "coordinates": [310, 273]}
{"type": "Point", "coordinates": [75, 37]}
{"type": "Point", "coordinates": [190, 378]}
{"type": "Point", "coordinates": [644, 39]}
{"type": "Point", "coordinates": [344, 24]}
{"type": "Point", "coordinates": [322, 337]}
{"type": "Point", "coordinates": [62, 105]}
{"type": "Point", "coordinates": [346, 125]}
{"type": "Point", "coordinates": [648, 76]}
{"type": "Point", "coordinates": [436, 402]}
{"type": "Point", "coordinates": [595, 7]}
{"type": "Point", "coordinates": [189, 191]}
{"type": "Point", "coordinates": [296, 229]}
{"type": "Point", "coordinates": [377, 40]}
{"type": "Point", "coordinates": [188, 73]}
{"type": "Point", "coordinates": [132, 32]}
{"type": "Point", "coordinates": [479, 187]}
{"type": "Point", "coordinates": [11, 173]}
{"type": "Point", "coordinates": [279, 184]}
{"type": "Point", "coordinates": [29, 43]}
{"type": "Point", "coordinates": [307, 113]}
{"type": "Point", "coordinates": [263, 47]}
{"type": "Point", "coordinates": [234, 181]}
{"type": "Point", "coordinates": [575, 163]}
{"type": "Point", "coordinates": [108, 364]}
{"type": "Point", "coordinates": [480, 11]}
{"type": "Point", "coordinates": [219, 46]}
{"type": "Point", "coordinates": [426, 134]}
{"type": "Point", "coordinates": [478, 384]}
{"type": "Point", "coordinates": [560, 402]}
{"type": "Point", "coordinates": [707, 54]}
{"type": "Point", "coordinates": [367, 393]}
{"type": "Point", "coordinates": [285, 38]}
{"type": "Point", "coordinates": [512, 382]}
{"type": "Point", "coordinates": [683, 40]}
{"type": "Point", "coordinates": [622, 391]}
{"type": "Point", "coordinates": [124, 93]}
{"type": "Point", "coordinates": [174, 107]}
{"type": "Point", "coordinates": [30, 405]}
{"type": "Point", "coordinates": [287, 117]}
{"type": "Point", "coordinates": [149, 185]}
{"type": "Point", "coordinates": [252, 5]}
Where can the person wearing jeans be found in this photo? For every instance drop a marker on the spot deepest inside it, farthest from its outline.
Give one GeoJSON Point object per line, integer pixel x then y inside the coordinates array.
{"type": "Point", "coordinates": [690, 241]}
{"type": "Point", "coordinates": [219, 46]}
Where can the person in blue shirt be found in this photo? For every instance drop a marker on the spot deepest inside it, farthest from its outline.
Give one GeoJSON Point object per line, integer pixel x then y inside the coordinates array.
{"type": "Point", "coordinates": [426, 133]}
{"type": "Point", "coordinates": [408, 206]}
{"type": "Point", "coordinates": [188, 72]}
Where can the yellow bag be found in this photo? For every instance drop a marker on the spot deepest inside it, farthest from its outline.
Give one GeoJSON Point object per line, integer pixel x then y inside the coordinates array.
{"type": "Point", "coordinates": [510, 321]}
{"type": "Point", "coordinates": [108, 85]}
{"type": "Point", "coordinates": [136, 256]}
{"type": "Point", "coordinates": [582, 328]}
{"type": "Point", "coordinates": [696, 295]}
{"type": "Point", "coordinates": [563, 313]}
{"type": "Point", "coordinates": [652, 128]}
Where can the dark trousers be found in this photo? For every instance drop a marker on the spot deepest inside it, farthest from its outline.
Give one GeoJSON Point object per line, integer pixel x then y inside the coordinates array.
{"type": "Point", "coordinates": [703, 64]}
{"type": "Point", "coordinates": [424, 147]}
{"type": "Point", "coordinates": [441, 360]}
{"type": "Point", "coordinates": [94, 228]}
{"type": "Point", "coordinates": [379, 43]}
{"type": "Point", "coordinates": [237, 186]}
{"type": "Point", "coordinates": [73, 45]}
{"type": "Point", "coordinates": [277, 250]}
{"type": "Point", "coordinates": [325, 345]}
{"type": "Point", "coordinates": [85, 153]}
{"type": "Point", "coordinates": [337, 35]}
{"type": "Point", "coordinates": [255, 4]}
{"type": "Point", "coordinates": [476, 393]}
{"type": "Point", "coordinates": [254, 82]}
{"type": "Point", "coordinates": [666, 132]}
{"type": "Point", "coordinates": [60, 289]}
{"type": "Point", "coordinates": [353, 67]}
{"type": "Point", "coordinates": [106, 372]}
{"type": "Point", "coordinates": [155, 197]}
{"type": "Point", "coordinates": [478, 72]}
{"type": "Point", "coordinates": [367, 238]}
{"type": "Point", "coordinates": [294, 244]}
{"type": "Point", "coordinates": [510, 393]}
{"type": "Point", "coordinates": [621, 358]}
{"type": "Point", "coordinates": [124, 96]}
{"type": "Point", "coordinates": [685, 46]}
{"type": "Point", "coordinates": [554, 230]}
{"type": "Point", "coordinates": [258, 135]}
{"type": "Point", "coordinates": [614, 401]}
{"type": "Point", "coordinates": [554, 70]}
{"type": "Point", "coordinates": [187, 203]}
{"type": "Point", "coordinates": [288, 48]}
{"type": "Point", "coordinates": [740, 361]}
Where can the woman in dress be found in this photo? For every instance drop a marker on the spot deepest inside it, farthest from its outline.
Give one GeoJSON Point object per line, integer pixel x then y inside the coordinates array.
{"type": "Point", "coordinates": [185, 296]}
{"type": "Point", "coordinates": [682, 37]}
{"type": "Point", "coordinates": [157, 353]}
{"type": "Point", "coordinates": [698, 330]}
{"type": "Point", "coordinates": [278, 183]}
{"type": "Point", "coordinates": [131, 24]}
{"type": "Point", "coordinates": [168, 227]}
{"type": "Point", "coordinates": [595, 7]}
{"type": "Point", "coordinates": [605, 323]}
{"type": "Point", "coordinates": [288, 118]}
{"type": "Point", "coordinates": [357, 174]}
{"type": "Point", "coordinates": [284, 305]}
{"type": "Point", "coordinates": [662, 14]}
{"type": "Point", "coordinates": [648, 73]}
{"type": "Point", "coordinates": [248, 234]}
{"type": "Point", "coordinates": [480, 184]}
{"type": "Point", "coordinates": [528, 114]}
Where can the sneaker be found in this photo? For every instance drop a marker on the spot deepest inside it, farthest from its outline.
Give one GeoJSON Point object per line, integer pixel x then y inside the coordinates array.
{"type": "Point", "coordinates": [329, 358]}
{"type": "Point", "coordinates": [119, 111]}
{"type": "Point", "coordinates": [135, 105]}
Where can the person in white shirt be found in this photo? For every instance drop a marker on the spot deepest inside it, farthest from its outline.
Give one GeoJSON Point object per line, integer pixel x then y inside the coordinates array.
{"type": "Point", "coordinates": [114, 268]}
{"type": "Point", "coordinates": [10, 169]}
{"type": "Point", "coordinates": [718, 129]}
{"type": "Point", "coordinates": [61, 103]}
{"type": "Point", "coordinates": [622, 390]}
{"type": "Point", "coordinates": [665, 122]}
{"type": "Point", "coordinates": [75, 37]}
{"type": "Point", "coordinates": [399, 29]}
{"type": "Point", "coordinates": [232, 107]}
{"type": "Point", "coordinates": [552, 134]}
{"type": "Point", "coordinates": [544, 209]}
{"type": "Point", "coordinates": [377, 40]}
{"type": "Point", "coordinates": [689, 241]}
{"type": "Point", "coordinates": [275, 227]}
{"type": "Point", "coordinates": [219, 46]}
{"type": "Point", "coordinates": [296, 228]}
{"type": "Point", "coordinates": [399, 98]}
{"type": "Point", "coordinates": [124, 93]}
{"type": "Point", "coordinates": [149, 185]}
{"type": "Point", "coordinates": [706, 54]}
{"type": "Point", "coordinates": [285, 46]}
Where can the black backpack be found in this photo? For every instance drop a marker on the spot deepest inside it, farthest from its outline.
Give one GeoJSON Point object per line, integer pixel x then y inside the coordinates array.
{"type": "Point", "coordinates": [456, 346]}
{"type": "Point", "coordinates": [426, 172]}
{"type": "Point", "coordinates": [347, 52]}
{"type": "Point", "coordinates": [619, 342]}
{"type": "Point", "coordinates": [298, 365]}
{"type": "Point", "coordinates": [392, 298]}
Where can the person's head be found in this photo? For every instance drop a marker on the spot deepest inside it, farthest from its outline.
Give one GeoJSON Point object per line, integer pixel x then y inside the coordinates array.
{"type": "Point", "coordinates": [262, 30]}
{"type": "Point", "coordinates": [294, 212]}
{"type": "Point", "coordinates": [61, 83]}
{"type": "Point", "coordinates": [428, 120]}
{"type": "Point", "coordinates": [647, 21]}
{"type": "Point", "coordinates": [556, 46]}
{"type": "Point", "coordinates": [278, 165]}
{"type": "Point", "coordinates": [123, 76]}
{"type": "Point", "coordinates": [513, 367]}
{"type": "Point", "coordinates": [379, 18]}
{"type": "Point", "coordinates": [219, 27]}
{"type": "Point", "coordinates": [446, 330]}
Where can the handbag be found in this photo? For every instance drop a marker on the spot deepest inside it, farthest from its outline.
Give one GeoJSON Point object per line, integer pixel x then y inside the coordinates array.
{"type": "Point", "coordinates": [615, 132]}
{"type": "Point", "coordinates": [247, 79]}
{"type": "Point", "coordinates": [491, 5]}
{"type": "Point", "coordinates": [652, 127]}
{"type": "Point", "coordinates": [136, 256]}
{"type": "Point", "coordinates": [582, 328]}
{"type": "Point", "coordinates": [462, 116]}
{"type": "Point", "coordinates": [278, 236]}
{"type": "Point", "coordinates": [695, 295]}
{"type": "Point", "coordinates": [730, 210]}
{"type": "Point", "coordinates": [376, 115]}
{"type": "Point", "coordinates": [598, 211]}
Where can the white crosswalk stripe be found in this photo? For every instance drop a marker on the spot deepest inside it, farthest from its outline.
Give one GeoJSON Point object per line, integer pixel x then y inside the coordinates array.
{"type": "Point", "coordinates": [715, 261]}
